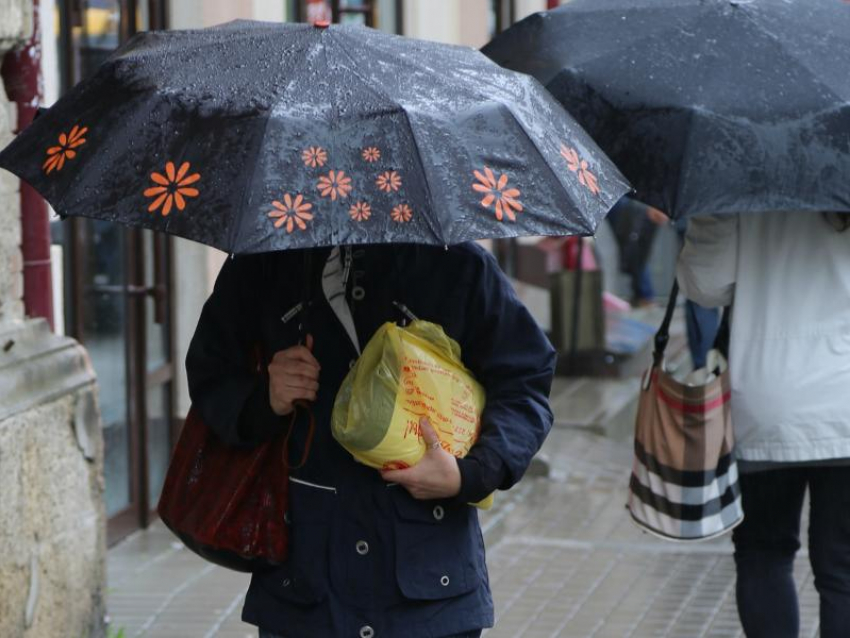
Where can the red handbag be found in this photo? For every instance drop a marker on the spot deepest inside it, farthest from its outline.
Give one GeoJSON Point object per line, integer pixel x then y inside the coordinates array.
{"type": "Point", "coordinates": [228, 504]}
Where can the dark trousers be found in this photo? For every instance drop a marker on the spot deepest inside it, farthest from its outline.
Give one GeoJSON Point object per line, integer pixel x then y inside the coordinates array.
{"type": "Point", "coordinates": [769, 537]}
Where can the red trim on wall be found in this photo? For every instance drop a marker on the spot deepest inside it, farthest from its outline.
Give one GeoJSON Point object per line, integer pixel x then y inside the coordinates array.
{"type": "Point", "coordinates": [21, 71]}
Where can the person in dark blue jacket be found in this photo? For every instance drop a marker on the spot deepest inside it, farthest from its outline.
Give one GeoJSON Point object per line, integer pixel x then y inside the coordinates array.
{"type": "Point", "coordinates": [371, 556]}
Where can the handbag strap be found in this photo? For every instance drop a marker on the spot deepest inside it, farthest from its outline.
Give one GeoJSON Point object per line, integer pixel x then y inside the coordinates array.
{"type": "Point", "coordinates": [662, 337]}
{"type": "Point", "coordinates": [308, 442]}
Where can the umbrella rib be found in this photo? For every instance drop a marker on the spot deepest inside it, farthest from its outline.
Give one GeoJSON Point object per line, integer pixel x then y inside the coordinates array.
{"type": "Point", "coordinates": [356, 71]}
{"type": "Point", "coordinates": [237, 229]}
{"type": "Point", "coordinates": [246, 193]}
{"type": "Point", "coordinates": [778, 41]}
{"type": "Point", "coordinates": [545, 161]}
{"type": "Point", "coordinates": [434, 231]}
{"type": "Point", "coordinates": [403, 111]}
{"type": "Point", "coordinates": [673, 205]}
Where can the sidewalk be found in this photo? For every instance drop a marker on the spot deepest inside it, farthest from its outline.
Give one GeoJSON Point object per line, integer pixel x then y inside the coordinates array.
{"type": "Point", "coordinates": [565, 559]}
{"type": "Point", "coordinates": [570, 563]}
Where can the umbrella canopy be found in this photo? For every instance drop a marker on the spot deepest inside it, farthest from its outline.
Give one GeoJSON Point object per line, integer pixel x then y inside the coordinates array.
{"type": "Point", "coordinates": [254, 137]}
{"type": "Point", "coordinates": [707, 106]}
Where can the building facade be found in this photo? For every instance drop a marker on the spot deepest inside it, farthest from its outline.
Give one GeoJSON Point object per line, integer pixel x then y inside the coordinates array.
{"type": "Point", "coordinates": [52, 518]}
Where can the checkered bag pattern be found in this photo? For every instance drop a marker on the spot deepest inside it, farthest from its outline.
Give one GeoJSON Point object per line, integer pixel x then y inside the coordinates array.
{"type": "Point", "coordinates": [684, 483]}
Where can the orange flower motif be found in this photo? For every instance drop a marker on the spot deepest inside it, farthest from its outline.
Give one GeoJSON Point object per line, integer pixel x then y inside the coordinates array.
{"type": "Point", "coordinates": [388, 181]}
{"type": "Point", "coordinates": [56, 155]}
{"type": "Point", "coordinates": [576, 165]}
{"type": "Point", "coordinates": [292, 212]}
{"type": "Point", "coordinates": [505, 200]}
{"type": "Point", "coordinates": [360, 212]}
{"type": "Point", "coordinates": [172, 188]}
{"type": "Point", "coordinates": [401, 213]}
{"type": "Point", "coordinates": [371, 154]}
{"type": "Point", "coordinates": [335, 184]}
{"type": "Point", "coordinates": [314, 156]}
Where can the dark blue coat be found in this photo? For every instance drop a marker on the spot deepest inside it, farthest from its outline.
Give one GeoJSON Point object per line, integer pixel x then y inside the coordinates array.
{"type": "Point", "coordinates": [365, 554]}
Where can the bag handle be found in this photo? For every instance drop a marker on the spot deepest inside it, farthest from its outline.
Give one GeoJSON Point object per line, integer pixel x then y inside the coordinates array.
{"type": "Point", "coordinates": [662, 337]}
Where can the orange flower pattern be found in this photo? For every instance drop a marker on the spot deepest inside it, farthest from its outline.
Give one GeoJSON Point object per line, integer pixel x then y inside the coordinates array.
{"type": "Point", "coordinates": [56, 155]}
{"type": "Point", "coordinates": [314, 156]}
{"type": "Point", "coordinates": [577, 165]}
{"type": "Point", "coordinates": [371, 154]}
{"type": "Point", "coordinates": [388, 181]}
{"type": "Point", "coordinates": [172, 188]}
{"type": "Point", "coordinates": [496, 192]}
{"type": "Point", "coordinates": [360, 212]}
{"type": "Point", "coordinates": [401, 213]}
{"type": "Point", "coordinates": [334, 184]}
{"type": "Point", "coordinates": [294, 212]}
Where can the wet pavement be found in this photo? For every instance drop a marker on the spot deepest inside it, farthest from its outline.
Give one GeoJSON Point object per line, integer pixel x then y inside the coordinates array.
{"type": "Point", "coordinates": [568, 561]}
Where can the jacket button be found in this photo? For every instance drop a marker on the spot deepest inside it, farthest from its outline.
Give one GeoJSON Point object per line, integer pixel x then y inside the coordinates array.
{"type": "Point", "coordinates": [362, 548]}
{"type": "Point", "coordinates": [358, 293]}
{"type": "Point", "coordinates": [444, 581]}
{"type": "Point", "coordinates": [286, 518]}
{"type": "Point", "coordinates": [286, 582]}
{"type": "Point", "coordinates": [351, 363]}
{"type": "Point", "coordinates": [439, 512]}
{"type": "Point", "coordinates": [367, 632]}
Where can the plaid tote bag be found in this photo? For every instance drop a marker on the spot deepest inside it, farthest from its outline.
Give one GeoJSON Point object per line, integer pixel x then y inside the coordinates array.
{"type": "Point", "coordinates": [684, 482]}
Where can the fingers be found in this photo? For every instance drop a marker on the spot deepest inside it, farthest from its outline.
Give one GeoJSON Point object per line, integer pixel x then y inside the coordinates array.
{"type": "Point", "coordinates": [283, 398]}
{"type": "Point", "coordinates": [293, 376]}
{"type": "Point", "coordinates": [298, 382]}
{"type": "Point", "coordinates": [289, 368]}
{"type": "Point", "coordinates": [435, 476]}
{"type": "Point", "coordinates": [290, 395]}
{"type": "Point", "coordinates": [297, 353]}
{"type": "Point", "coordinates": [429, 435]}
{"type": "Point", "coordinates": [394, 476]}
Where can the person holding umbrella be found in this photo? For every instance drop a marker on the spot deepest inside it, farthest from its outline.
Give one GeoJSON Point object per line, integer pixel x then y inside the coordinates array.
{"type": "Point", "coordinates": [787, 277]}
{"type": "Point", "coordinates": [740, 109]}
{"type": "Point", "coordinates": [346, 175]}
{"type": "Point", "coordinates": [372, 554]}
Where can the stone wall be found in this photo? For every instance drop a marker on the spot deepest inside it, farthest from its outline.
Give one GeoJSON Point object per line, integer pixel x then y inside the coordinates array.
{"type": "Point", "coordinates": [52, 532]}
{"type": "Point", "coordinates": [52, 518]}
{"type": "Point", "coordinates": [11, 262]}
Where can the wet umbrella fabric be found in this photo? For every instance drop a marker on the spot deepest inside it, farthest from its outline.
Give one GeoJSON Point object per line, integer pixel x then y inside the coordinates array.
{"type": "Point", "coordinates": [254, 137]}
{"type": "Point", "coordinates": [707, 106]}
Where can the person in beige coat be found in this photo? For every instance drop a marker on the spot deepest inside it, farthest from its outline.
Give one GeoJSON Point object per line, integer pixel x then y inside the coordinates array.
{"type": "Point", "coordinates": [787, 278]}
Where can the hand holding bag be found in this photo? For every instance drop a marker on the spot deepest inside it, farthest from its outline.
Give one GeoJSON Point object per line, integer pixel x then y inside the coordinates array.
{"type": "Point", "coordinates": [684, 483]}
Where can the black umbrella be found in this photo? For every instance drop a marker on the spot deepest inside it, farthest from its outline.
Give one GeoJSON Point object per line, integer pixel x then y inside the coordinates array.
{"type": "Point", "coordinates": [707, 106]}
{"type": "Point", "coordinates": [257, 136]}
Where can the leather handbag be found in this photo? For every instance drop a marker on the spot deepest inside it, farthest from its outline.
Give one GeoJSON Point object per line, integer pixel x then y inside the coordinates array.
{"type": "Point", "coordinates": [684, 482]}
{"type": "Point", "coordinates": [228, 504]}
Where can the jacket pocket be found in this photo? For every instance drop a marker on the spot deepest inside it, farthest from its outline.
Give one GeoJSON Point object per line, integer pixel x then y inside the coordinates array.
{"type": "Point", "coordinates": [303, 579]}
{"type": "Point", "coordinates": [438, 550]}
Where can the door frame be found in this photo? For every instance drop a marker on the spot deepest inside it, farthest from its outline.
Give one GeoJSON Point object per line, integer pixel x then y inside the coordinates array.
{"type": "Point", "coordinates": [134, 290]}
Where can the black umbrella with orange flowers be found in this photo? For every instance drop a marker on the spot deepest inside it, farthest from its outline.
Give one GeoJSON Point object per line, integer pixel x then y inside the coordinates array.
{"type": "Point", "coordinates": [254, 137]}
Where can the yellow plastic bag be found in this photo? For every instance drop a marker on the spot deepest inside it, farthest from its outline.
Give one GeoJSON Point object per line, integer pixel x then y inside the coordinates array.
{"type": "Point", "coordinates": [402, 375]}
